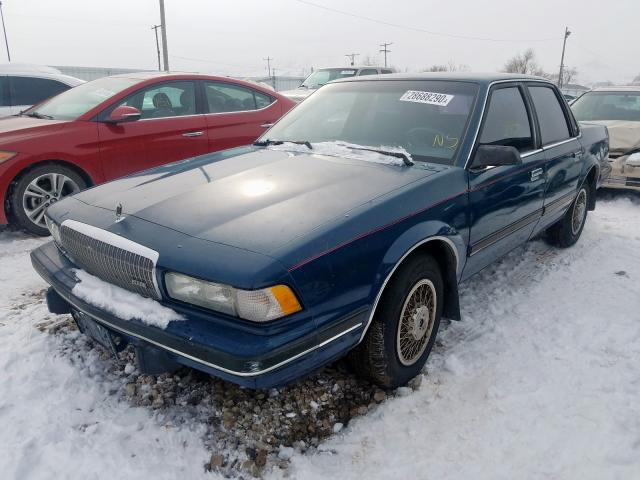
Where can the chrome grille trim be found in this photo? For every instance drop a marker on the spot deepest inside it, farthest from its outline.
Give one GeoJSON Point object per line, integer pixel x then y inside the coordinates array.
{"type": "Point", "coordinates": [111, 257]}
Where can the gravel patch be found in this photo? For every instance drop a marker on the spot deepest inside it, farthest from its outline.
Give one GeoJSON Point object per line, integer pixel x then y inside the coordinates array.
{"type": "Point", "coordinates": [248, 432]}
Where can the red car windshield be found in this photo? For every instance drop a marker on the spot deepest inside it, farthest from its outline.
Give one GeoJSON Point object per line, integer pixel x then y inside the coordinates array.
{"type": "Point", "coordinates": [79, 100]}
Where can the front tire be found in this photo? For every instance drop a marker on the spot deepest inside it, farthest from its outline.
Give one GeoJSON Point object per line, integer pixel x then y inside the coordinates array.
{"type": "Point", "coordinates": [38, 189]}
{"type": "Point", "coordinates": [405, 325]}
{"type": "Point", "coordinates": [567, 231]}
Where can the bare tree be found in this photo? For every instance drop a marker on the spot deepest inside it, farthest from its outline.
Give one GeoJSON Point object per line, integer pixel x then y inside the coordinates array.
{"type": "Point", "coordinates": [368, 60]}
{"type": "Point", "coordinates": [524, 63]}
{"type": "Point", "coordinates": [450, 67]}
{"type": "Point", "coordinates": [569, 75]}
{"type": "Point", "coordinates": [636, 81]}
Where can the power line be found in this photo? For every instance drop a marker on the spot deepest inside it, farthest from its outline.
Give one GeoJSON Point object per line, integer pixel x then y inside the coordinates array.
{"type": "Point", "coordinates": [421, 30]}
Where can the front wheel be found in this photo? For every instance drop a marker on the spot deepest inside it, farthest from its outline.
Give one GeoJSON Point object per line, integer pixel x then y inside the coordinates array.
{"type": "Point", "coordinates": [404, 328]}
{"type": "Point", "coordinates": [567, 231]}
{"type": "Point", "coordinates": [37, 190]}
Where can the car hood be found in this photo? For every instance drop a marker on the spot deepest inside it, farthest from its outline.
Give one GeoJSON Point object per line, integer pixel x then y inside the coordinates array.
{"type": "Point", "coordinates": [22, 128]}
{"type": "Point", "coordinates": [258, 201]}
{"type": "Point", "coordinates": [623, 135]}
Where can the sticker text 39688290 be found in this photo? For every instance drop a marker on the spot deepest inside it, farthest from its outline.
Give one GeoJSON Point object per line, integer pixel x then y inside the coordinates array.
{"type": "Point", "coordinates": [440, 99]}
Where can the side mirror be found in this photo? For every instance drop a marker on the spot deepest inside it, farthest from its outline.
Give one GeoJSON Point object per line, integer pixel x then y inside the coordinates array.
{"type": "Point", "coordinates": [633, 160]}
{"type": "Point", "coordinates": [124, 114]}
{"type": "Point", "coordinates": [495, 156]}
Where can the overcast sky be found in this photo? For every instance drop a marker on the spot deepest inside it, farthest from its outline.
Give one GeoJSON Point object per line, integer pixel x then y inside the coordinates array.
{"type": "Point", "coordinates": [232, 37]}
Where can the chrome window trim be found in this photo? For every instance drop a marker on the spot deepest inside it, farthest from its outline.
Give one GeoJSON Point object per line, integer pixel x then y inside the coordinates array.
{"type": "Point", "coordinates": [561, 142]}
{"type": "Point", "coordinates": [174, 116]}
{"type": "Point", "coordinates": [117, 241]}
{"type": "Point", "coordinates": [484, 107]}
{"type": "Point", "coordinates": [448, 241]}
{"type": "Point", "coordinates": [531, 152]}
{"type": "Point", "coordinates": [213, 365]}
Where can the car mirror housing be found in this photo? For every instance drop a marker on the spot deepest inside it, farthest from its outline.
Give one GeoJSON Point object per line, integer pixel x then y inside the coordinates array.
{"type": "Point", "coordinates": [124, 114]}
{"type": "Point", "coordinates": [495, 156]}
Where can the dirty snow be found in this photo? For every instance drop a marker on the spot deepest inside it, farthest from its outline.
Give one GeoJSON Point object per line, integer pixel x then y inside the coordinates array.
{"type": "Point", "coordinates": [122, 303]}
{"type": "Point", "coordinates": [346, 150]}
{"type": "Point", "coordinates": [540, 380]}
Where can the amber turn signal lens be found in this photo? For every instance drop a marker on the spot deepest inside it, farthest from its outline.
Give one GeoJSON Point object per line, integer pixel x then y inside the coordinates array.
{"type": "Point", "coordinates": [286, 298]}
{"type": "Point", "coordinates": [4, 156]}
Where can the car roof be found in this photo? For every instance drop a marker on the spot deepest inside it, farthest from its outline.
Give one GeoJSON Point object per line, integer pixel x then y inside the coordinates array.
{"type": "Point", "coordinates": [485, 78]}
{"type": "Point", "coordinates": [621, 88]}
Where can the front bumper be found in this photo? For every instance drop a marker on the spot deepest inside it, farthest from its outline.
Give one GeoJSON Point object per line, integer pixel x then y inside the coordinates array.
{"type": "Point", "coordinates": [264, 359]}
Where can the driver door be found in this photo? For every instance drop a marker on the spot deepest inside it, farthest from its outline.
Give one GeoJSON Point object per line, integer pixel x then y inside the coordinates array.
{"type": "Point", "coordinates": [505, 201]}
{"type": "Point", "coordinates": [170, 128]}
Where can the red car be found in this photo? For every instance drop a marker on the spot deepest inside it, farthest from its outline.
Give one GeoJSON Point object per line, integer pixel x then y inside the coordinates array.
{"type": "Point", "coordinates": [114, 126]}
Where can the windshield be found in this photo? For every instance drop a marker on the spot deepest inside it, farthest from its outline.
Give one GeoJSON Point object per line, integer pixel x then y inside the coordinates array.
{"type": "Point", "coordinates": [428, 119]}
{"type": "Point", "coordinates": [607, 106]}
{"type": "Point", "coordinates": [325, 75]}
{"type": "Point", "coordinates": [79, 100]}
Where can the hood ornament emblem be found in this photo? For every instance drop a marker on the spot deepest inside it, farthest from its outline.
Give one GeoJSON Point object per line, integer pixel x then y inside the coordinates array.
{"type": "Point", "coordinates": [119, 216]}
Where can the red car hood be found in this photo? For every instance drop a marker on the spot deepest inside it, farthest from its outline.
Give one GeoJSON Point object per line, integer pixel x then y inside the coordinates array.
{"type": "Point", "coordinates": [21, 128]}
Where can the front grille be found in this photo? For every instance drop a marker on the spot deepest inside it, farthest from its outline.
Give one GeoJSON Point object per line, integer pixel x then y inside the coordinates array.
{"type": "Point", "coordinates": [110, 263]}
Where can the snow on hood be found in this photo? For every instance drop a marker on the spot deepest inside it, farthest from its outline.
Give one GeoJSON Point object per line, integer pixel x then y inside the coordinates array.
{"type": "Point", "coordinates": [122, 303]}
{"type": "Point", "coordinates": [346, 150]}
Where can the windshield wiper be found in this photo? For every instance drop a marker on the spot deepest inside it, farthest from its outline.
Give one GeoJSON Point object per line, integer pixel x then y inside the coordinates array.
{"type": "Point", "coordinates": [38, 115]}
{"type": "Point", "coordinates": [406, 158]}
{"type": "Point", "coordinates": [264, 143]}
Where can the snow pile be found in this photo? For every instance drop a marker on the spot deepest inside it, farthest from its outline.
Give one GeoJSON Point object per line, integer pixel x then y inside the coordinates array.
{"type": "Point", "coordinates": [346, 150]}
{"type": "Point", "coordinates": [122, 303]}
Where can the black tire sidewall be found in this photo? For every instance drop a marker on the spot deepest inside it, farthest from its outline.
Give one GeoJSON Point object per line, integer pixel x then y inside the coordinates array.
{"type": "Point", "coordinates": [422, 267]}
{"type": "Point", "coordinates": [17, 213]}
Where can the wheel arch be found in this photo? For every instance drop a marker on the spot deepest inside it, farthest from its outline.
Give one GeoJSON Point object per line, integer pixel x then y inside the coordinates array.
{"type": "Point", "coordinates": [444, 244]}
{"type": "Point", "coordinates": [72, 166]}
{"type": "Point", "coordinates": [592, 180]}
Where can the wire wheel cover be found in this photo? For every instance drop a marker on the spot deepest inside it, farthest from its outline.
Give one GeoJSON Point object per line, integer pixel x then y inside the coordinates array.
{"type": "Point", "coordinates": [416, 322]}
{"type": "Point", "coordinates": [579, 210]}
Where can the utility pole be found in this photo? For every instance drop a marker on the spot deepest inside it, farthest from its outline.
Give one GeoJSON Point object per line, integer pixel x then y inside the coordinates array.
{"type": "Point", "coordinates": [564, 45]}
{"type": "Point", "coordinates": [4, 29]}
{"type": "Point", "coordinates": [268, 60]}
{"type": "Point", "coordinates": [352, 57]}
{"type": "Point", "coordinates": [155, 28]}
{"type": "Point", "coordinates": [385, 50]}
{"type": "Point", "coordinates": [273, 79]}
{"type": "Point", "coordinates": [163, 25]}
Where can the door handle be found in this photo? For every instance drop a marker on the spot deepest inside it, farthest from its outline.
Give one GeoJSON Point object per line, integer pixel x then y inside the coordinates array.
{"type": "Point", "coordinates": [536, 174]}
{"type": "Point", "coordinates": [577, 154]}
{"type": "Point", "coordinates": [193, 134]}
{"type": "Point", "coordinates": [267, 125]}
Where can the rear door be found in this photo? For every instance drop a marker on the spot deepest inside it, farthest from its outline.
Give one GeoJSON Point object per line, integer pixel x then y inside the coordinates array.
{"type": "Point", "coordinates": [505, 201]}
{"type": "Point", "coordinates": [236, 115]}
{"type": "Point", "coordinates": [562, 149]}
{"type": "Point", "coordinates": [172, 127]}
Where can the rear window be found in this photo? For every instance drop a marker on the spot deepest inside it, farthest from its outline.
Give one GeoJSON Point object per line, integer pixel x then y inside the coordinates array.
{"type": "Point", "coordinates": [608, 106]}
{"type": "Point", "coordinates": [551, 117]}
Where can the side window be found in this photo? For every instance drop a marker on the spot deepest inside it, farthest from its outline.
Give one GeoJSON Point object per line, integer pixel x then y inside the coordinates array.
{"type": "Point", "coordinates": [4, 91]}
{"type": "Point", "coordinates": [225, 97]}
{"type": "Point", "coordinates": [553, 123]}
{"type": "Point", "coordinates": [386, 71]}
{"type": "Point", "coordinates": [171, 99]}
{"type": "Point", "coordinates": [368, 71]}
{"type": "Point", "coordinates": [506, 122]}
{"type": "Point", "coordinates": [31, 90]}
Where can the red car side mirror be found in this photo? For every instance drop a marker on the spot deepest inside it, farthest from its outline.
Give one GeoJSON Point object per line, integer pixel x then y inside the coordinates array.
{"type": "Point", "coordinates": [124, 114]}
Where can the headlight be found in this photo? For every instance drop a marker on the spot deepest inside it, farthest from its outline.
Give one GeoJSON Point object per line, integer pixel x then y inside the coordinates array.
{"type": "Point", "coordinates": [54, 229]}
{"type": "Point", "coordinates": [255, 305]}
{"type": "Point", "coordinates": [4, 155]}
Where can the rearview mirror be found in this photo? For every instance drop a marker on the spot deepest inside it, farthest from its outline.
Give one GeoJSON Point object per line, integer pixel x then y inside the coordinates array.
{"type": "Point", "coordinates": [124, 114]}
{"type": "Point", "coordinates": [495, 156]}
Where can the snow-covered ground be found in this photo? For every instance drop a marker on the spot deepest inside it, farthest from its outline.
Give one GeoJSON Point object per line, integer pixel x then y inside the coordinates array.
{"type": "Point", "coordinates": [541, 380]}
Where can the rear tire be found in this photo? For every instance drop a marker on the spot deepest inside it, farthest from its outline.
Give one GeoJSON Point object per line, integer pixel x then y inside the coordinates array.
{"type": "Point", "coordinates": [566, 232]}
{"type": "Point", "coordinates": [405, 325]}
{"type": "Point", "coordinates": [36, 190]}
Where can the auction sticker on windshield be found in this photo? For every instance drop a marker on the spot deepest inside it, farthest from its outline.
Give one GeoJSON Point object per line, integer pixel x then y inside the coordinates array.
{"type": "Point", "coordinates": [440, 99]}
